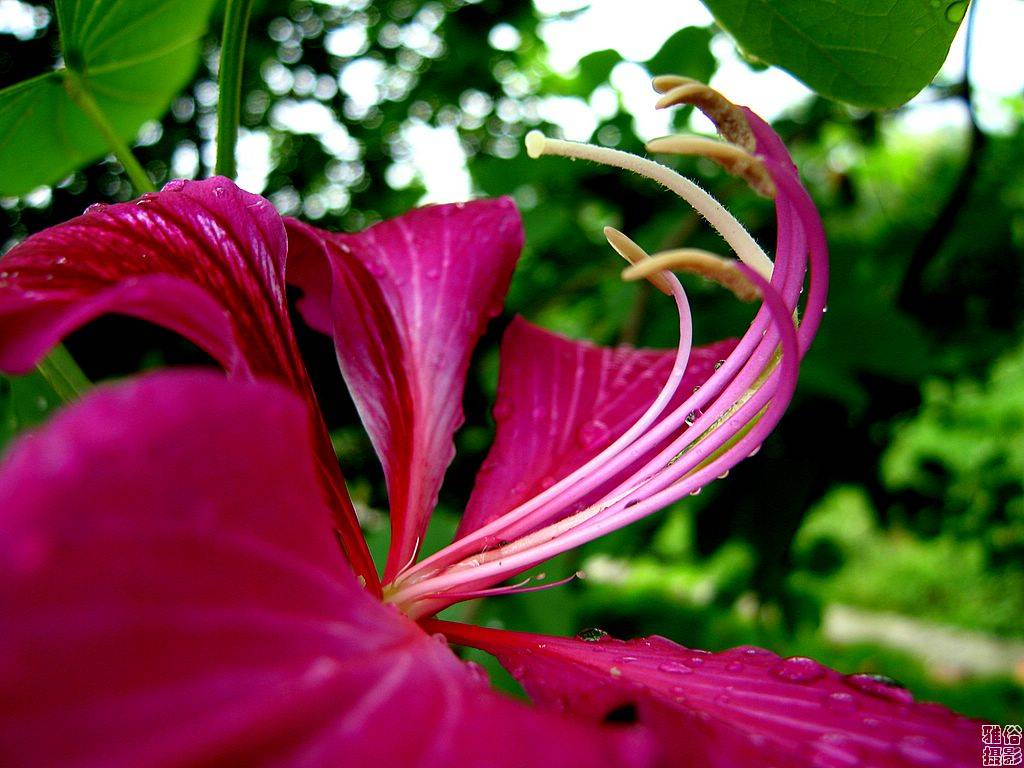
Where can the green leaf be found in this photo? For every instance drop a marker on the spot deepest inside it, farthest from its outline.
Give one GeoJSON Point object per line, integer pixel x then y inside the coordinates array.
{"type": "Point", "coordinates": [871, 53]}
{"type": "Point", "coordinates": [24, 402]}
{"type": "Point", "coordinates": [686, 53]}
{"type": "Point", "coordinates": [128, 58]}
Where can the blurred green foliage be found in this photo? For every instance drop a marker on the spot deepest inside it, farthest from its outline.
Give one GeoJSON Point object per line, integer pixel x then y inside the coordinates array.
{"type": "Point", "coordinates": [894, 484]}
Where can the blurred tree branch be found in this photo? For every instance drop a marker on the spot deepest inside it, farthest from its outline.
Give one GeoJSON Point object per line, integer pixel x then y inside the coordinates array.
{"type": "Point", "coordinates": [913, 297]}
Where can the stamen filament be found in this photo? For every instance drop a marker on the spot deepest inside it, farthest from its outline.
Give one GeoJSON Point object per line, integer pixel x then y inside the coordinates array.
{"type": "Point", "coordinates": [699, 262]}
{"type": "Point", "coordinates": [731, 230]}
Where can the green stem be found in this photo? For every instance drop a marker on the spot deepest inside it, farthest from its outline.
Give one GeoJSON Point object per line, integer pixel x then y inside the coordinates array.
{"type": "Point", "coordinates": [79, 94]}
{"type": "Point", "coordinates": [63, 374]}
{"type": "Point", "coordinates": [229, 87]}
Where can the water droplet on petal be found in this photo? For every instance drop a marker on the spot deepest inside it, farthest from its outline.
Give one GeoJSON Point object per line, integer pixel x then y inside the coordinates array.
{"type": "Point", "coordinates": [694, 661]}
{"type": "Point", "coordinates": [439, 637]}
{"type": "Point", "coordinates": [218, 191]}
{"type": "Point", "coordinates": [798, 669]}
{"type": "Point", "coordinates": [841, 702]}
{"type": "Point", "coordinates": [593, 433]}
{"type": "Point", "coordinates": [591, 635]}
{"type": "Point", "coordinates": [880, 687]}
{"type": "Point", "coordinates": [174, 185]}
{"type": "Point", "coordinates": [96, 208]}
{"type": "Point", "coordinates": [719, 364]}
{"type": "Point", "coordinates": [675, 668]}
{"type": "Point", "coordinates": [918, 751]}
{"type": "Point", "coordinates": [62, 259]}
{"type": "Point", "coordinates": [477, 673]}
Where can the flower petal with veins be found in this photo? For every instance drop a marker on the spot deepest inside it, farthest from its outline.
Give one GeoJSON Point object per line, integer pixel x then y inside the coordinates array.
{"type": "Point", "coordinates": [406, 301]}
{"type": "Point", "coordinates": [744, 706]}
{"type": "Point", "coordinates": [559, 403]}
{"type": "Point", "coordinates": [169, 599]}
{"type": "Point", "coordinates": [203, 258]}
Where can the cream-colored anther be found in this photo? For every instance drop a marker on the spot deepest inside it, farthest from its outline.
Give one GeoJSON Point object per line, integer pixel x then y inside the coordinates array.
{"type": "Point", "coordinates": [732, 158]}
{"type": "Point", "coordinates": [727, 117]}
{"type": "Point", "coordinates": [634, 254]}
{"type": "Point", "coordinates": [698, 262]}
{"type": "Point", "coordinates": [535, 141]}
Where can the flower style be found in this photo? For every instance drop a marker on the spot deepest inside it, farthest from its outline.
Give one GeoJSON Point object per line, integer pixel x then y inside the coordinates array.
{"type": "Point", "coordinates": [182, 576]}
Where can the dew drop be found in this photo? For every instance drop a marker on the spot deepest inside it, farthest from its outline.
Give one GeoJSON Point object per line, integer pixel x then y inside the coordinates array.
{"type": "Point", "coordinates": [62, 259]}
{"type": "Point", "coordinates": [591, 635]}
{"type": "Point", "coordinates": [593, 433]}
{"type": "Point", "coordinates": [218, 191]}
{"type": "Point", "coordinates": [675, 668]}
{"type": "Point", "coordinates": [96, 208]}
{"type": "Point", "coordinates": [798, 669]}
{"type": "Point", "coordinates": [477, 673]}
{"type": "Point", "coordinates": [174, 185]}
{"type": "Point", "coordinates": [880, 687]}
{"type": "Point", "coordinates": [956, 11]}
{"type": "Point", "coordinates": [440, 638]}
{"type": "Point", "coordinates": [691, 417]}
{"type": "Point", "coordinates": [918, 751]}
{"type": "Point", "coordinates": [719, 364]}
{"type": "Point", "coordinates": [694, 661]}
{"type": "Point", "coordinates": [841, 702]}
{"type": "Point", "coordinates": [615, 672]}
{"type": "Point", "coordinates": [696, 491]}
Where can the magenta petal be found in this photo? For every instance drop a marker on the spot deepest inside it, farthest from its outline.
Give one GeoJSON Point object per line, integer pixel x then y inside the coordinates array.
{"type": "Point", "coordinates": [409, 299]}
{"type": "Point", "coordinates": [202, 258]}
{"type": "Point", "coordinates": [171, 593]}
{"type": "Point", "coordinates": [560, 402]}
{"type": "Point", "coordinates": [742, 707]}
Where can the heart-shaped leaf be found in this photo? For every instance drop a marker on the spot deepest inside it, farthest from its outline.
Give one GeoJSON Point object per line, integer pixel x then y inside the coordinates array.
{"type": "Point", "coordinates": [872, 53]}
{"type": "Point", "coordinates": [127, 58]}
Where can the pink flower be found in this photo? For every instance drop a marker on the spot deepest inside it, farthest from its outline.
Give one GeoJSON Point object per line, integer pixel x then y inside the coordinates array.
{"type": "Point", "coordinates": [172, 589]}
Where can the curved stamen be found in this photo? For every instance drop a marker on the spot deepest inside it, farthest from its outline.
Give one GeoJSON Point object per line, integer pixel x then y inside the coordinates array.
{"type": "Point", "coordinates": [553, 498]}
{"type": "Point", "coordinates": [734, 233]}
{"type": "Point", "coordinates": [579, 529]}
{"type": "Point", "coordinates": [699, 262]}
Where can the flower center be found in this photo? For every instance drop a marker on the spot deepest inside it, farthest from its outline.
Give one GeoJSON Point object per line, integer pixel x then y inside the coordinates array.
{"type": "Point", "coordinates": [673, 452]}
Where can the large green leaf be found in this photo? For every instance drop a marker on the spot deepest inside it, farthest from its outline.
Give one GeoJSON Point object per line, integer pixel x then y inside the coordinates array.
{"type": "Point", "coordinates": [872, 53]}
{"type": "Point", "coordinates": [129, 57]}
